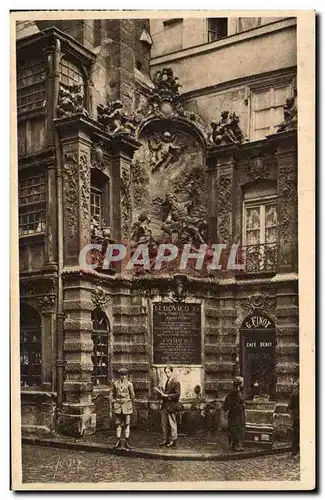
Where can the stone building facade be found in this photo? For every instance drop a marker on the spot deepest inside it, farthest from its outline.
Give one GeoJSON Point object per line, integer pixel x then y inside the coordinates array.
{"type": "Point", "coordinates": [180, 131]}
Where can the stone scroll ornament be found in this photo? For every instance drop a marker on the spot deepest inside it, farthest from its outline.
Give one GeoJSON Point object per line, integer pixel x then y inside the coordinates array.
{"type": "Point", "coordinates": [290, 116]}
{"type": "Point", "coordinates": [71, 101]}
{"type": "Point", "coordinates": [226, 130]}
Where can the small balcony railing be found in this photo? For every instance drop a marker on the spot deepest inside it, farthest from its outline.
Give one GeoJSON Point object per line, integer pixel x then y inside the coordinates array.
{"type": "Point", "coordinates": [259, 258]}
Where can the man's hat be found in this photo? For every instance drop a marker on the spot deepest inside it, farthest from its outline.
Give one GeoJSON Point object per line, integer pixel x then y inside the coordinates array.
{"type": "Point", "coordinates": [122, 371]}
{"type": "Point", "coordinates": [238, 381]}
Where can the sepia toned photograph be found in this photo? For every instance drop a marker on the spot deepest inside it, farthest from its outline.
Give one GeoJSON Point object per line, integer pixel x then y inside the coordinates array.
{"type": "Point", "coordinates": [160, 295]}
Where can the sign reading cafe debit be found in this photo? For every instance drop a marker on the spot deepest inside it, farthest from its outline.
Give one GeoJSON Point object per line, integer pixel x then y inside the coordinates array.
{"type": "Point", "coordinates": [177, 333]}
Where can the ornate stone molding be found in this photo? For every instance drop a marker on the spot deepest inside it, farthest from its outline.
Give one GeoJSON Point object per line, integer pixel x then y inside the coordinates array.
{"type": "Point", "coordinates": [46, 303]}
{"type": "Point", "coordinates": [100, 297]}
{"type": "Point", "coordinates": [287, 189]}
{"type": "Point", "coordinates": [97, 157]}
{"type": "Point", "coordinates": [125, 202]}
{"type": "Point", "coordinates": [259, 301]}
{"type": "Point", "coordinates": [179, 288]}
{"type": "Point", "coordinates": [224, 205]}
{"type": "Point", "coordinates": [39, 287]}
{"type": "Point", "coordinates": [164, 102]}
{"type": "Point", "coordinates": [84, 173]}
{"type": "Point", "coordinates": [258, 167]}
{"type": "Point", "coordinates": [70, 191]}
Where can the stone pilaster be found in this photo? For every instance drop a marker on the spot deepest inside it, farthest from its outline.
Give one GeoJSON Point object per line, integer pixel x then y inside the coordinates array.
{"type": "Point", "coordinates": [287, 332]}
{"type": "Point", "coordinates": [77, 417]}
{"type": "Point", "coordinates": [75, 144]}
{"type": "Point", "coordinates": [123, 150]}
{"type": "Point", "coordinates": [222, 161]}
{"type": "Point", "coordinates": [287, 203]}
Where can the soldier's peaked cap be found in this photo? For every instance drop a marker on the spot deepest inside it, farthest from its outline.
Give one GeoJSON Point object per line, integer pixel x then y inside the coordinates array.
{"type": "Point", "coordinates": [122, 370]}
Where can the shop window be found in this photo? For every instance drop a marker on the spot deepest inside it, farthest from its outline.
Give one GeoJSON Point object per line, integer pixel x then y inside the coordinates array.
{"type": "Point", "coordinates": [100, 357]}
{"type": "Point", "coordinates": [32, 204]}
{"type": "Point", "coordinates": [30, 347]}
{"type": "Point", "coordinates": [217, 28]}
{"type": "Point", "coordinates": [31, 85]}
{"type": "Point", "coordinates": [260, 228]}
{"type": "Point", "coordinates": [267, 109]}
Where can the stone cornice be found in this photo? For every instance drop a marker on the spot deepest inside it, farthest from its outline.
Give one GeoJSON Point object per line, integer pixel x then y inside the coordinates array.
{"type": "Point", "coordinates": [266, 29]}
{"type": "Point", "coordinates": [39, 159]}
{"type": "Point", "coordinates": [72, 274]}
{"type": "Point", "coordinates": [68, 44]}
{"type": "Point", "coordinates": [286, 140]}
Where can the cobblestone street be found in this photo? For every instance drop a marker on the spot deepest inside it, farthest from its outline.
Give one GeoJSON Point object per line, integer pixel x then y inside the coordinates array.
{"type": "Point", "coordinates": [51, 465]}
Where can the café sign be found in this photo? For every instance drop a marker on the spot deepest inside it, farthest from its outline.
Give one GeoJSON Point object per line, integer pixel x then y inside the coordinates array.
{"type": "Point", "coordinates": [258, 321]}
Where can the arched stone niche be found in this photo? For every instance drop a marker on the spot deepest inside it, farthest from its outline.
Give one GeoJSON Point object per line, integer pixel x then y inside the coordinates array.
{"type": "Point", "coordinates": [169, 181]}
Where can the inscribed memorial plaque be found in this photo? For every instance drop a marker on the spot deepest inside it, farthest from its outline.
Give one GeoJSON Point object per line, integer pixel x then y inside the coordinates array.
{"type": "Point", "coordinates": [177, 333]}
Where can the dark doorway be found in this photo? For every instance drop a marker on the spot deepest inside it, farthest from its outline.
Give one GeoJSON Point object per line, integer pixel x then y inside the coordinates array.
{"type": "Point", "coordinates": [258, 355]}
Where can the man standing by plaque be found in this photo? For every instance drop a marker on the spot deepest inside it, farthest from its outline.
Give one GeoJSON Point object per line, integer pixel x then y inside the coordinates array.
{"type": "Point", "coordinates": [170, 397]}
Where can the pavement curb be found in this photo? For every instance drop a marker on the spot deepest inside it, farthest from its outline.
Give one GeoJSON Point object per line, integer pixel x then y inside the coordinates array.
{"type": "Point", "coordinates": [170, 455]}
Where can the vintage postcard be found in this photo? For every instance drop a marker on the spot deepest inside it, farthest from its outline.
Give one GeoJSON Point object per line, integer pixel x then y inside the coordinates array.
{"type": "Point", "coordinates": [163, 177]}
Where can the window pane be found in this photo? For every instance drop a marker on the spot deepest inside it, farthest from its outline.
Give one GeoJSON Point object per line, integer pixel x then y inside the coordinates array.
{"type": "Point", "coordinates": [262, 119]}
{"type": "Point", "coordinates": [252, 237]}
{"type": "Point", "coordinates": [281, 94]}
{"type": "Point", "coordinates": [270, 235]}
{"type": "Point", "coordinates": [31, 85]}
{"type": "Point", "coordinates": [270, 216]}
{"type": "Point", "coordinates": [277, 116]}
{"type": "Point", "coordinates": [32, 205]}
{"type": "Point", "coordinates": [261, 100]}
{"type": "Point", "coordinates": [253, 218]}
{"type": "Point", "coordinates": [100, 356]}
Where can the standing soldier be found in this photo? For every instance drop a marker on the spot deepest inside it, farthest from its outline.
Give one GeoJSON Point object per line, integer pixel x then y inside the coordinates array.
{"type": "Point", "coordinates": [123, 396]}
{"type": "Point", "coordinates": [234, 405]}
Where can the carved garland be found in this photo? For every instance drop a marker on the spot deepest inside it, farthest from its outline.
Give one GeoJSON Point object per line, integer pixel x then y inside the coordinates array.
{"type": "Point", "coordinates": [224, 206]}
{"type": "Point", "coordinates": [70, 191]}
{"type": "Point", "coordinates": [125, 202]}
{"type": "Point", "coordinates": [84, 170]}
{"type": "Point", "coordinates": [287, 188]}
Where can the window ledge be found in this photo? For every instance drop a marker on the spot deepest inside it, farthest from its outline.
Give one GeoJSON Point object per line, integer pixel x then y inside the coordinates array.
{"type": "Point", "coordinates": [31, 113]}
{"type": "Point", "coordinates": [34, 238]}
{"type": "Point", "coordinates": [258, 275]}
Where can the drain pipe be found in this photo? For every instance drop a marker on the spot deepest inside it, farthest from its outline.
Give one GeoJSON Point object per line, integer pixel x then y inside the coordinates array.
{"type": "Point", "coordinates": [59, 312]}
